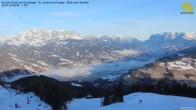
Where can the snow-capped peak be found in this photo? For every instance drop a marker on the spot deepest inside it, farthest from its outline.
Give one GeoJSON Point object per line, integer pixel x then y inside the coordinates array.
{"type": "Point", "coordinates": [48, 34]}
{"type": "Point", "coordinates": [176, 35]}
{"type": "Point", "coordinates": [190, 36]}
{"type": "Point", "coordinates": [171, 40]}
{"type": "Point", "coordinates": [37, 37]}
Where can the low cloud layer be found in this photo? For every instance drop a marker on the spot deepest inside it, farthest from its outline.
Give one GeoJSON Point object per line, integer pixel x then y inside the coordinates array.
{"type": "Point", "coordinates": [95, 70]}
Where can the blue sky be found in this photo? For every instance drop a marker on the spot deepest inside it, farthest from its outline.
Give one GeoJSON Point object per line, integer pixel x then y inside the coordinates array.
{"type": "Point", "coordinates": [134, 18]}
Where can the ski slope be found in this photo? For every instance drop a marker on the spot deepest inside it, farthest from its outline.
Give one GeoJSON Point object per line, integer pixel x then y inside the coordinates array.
{"type": "Point", "coordinates": [150, 101]}
{"type": "Point", "coordinates": [9, 99]}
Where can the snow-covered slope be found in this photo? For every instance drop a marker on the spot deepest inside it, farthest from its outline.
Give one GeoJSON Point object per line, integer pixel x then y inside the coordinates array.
{"type": "Point", "coordinates": [9, 97]}
{"type": "Point", "coordinates": [150, 101]}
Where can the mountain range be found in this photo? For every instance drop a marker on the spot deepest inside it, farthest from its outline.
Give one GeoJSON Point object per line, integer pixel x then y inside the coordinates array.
{"type": "Point", "coordinates": [172, 41]}
{"type": "Point", "coordinates": [59, 66]}
{"type": "Point", "coordinates": [40, 50]}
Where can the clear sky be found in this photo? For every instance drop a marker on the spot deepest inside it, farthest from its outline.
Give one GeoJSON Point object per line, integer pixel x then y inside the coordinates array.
{"type": "Point", "coordinates": [134, 18]}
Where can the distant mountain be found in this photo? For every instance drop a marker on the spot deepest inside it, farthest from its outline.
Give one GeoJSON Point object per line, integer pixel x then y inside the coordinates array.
{"type": "Point", "coordinates": [40, 50]}
{"type": "Point", "coordinates": [40, 37]}
{"type": "Point", "coordinates": [171, 41]}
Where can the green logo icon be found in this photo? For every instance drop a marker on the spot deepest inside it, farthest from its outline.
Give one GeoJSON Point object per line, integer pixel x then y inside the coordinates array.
{"type": "Point", "coordinates": [188, 8]}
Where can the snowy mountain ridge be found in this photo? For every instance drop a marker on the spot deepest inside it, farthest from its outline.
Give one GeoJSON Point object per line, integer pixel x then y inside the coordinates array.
{"type": "Point", "coordinates": [40, 50]}
{"type": "Point", "coordinates": [171, 41]}
{"type": "Point", "coordinates": [174, 35]}
{"type": "Point", "coordinates": [40, 37]}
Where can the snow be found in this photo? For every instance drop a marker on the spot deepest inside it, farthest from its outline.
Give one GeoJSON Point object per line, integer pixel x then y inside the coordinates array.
{"type": "Point", "coordinates": [190, 36]}
{"type": "Point", "coordinates": [16, 59]}
{"type": "Point", "coordinates": [174, 35]}
{"type": "Point", "coordinates": [53, 55]}
{"type": "Point", "coordinates": [35, 65]}
{"type": "Point", "coordinates": [65, 60]}
{"type": "Point", "coordinates": [62, 43]}
{"type": "Point", "coordinates": [7, 101]}
{"type": "Point", "coordinates": [162, 64]}
{"type": "Point", "coordinates": [13, 55]}
{"type": "Point", "coordinates": [39, 37]}
{"type": "Point", "coordinates": [150, 101]}
{"type": "Point", "coordinates": [75, 84]}
{"type": "Point", "coordinates": [36, 51]}
{"type": "Point", "coordinates": [183, 64]}
{"type": "Point", "coordinates": [84, 104]}
{"type": "Point", "coordinates": [42, 63]}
